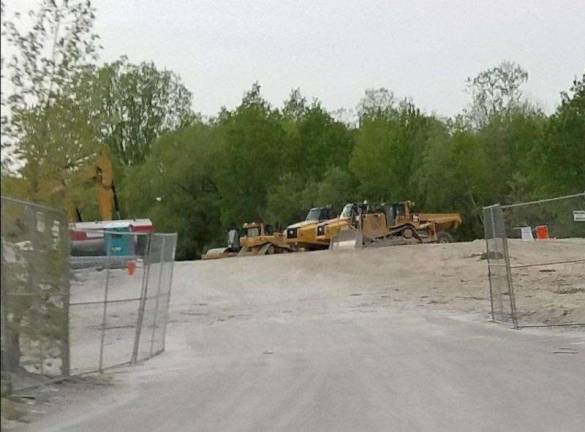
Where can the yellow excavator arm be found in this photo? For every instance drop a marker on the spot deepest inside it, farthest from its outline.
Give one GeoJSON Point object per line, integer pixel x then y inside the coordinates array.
{"type": "Point", "coordinates": [98, 171]}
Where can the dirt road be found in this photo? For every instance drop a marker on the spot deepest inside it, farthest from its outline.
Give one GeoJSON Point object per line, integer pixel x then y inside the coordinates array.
{"type": "Point", "coordinates": [317, 343]}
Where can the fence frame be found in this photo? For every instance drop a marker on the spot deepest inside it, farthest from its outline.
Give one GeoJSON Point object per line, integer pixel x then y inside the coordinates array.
{"type": "Point", "coordinates": [33, 216]}
{"type": "Point", "coordinates": [28, 233]}
{"type": "Point", "coordinates": [142, 299]}
{"type": "Point", "coordinates": [493, 217]}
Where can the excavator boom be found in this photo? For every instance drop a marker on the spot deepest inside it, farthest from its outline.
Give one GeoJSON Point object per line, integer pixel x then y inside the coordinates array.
{"type": "Point", "coordinates": [98, 171]}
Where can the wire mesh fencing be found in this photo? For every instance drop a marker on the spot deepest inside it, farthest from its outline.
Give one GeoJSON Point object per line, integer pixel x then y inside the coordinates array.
{"type": "Point", "coordinates": [536, 261]}
{"type": "Point", "coordinates": [498, 259]}
{"type": "Point", "coordinates": [68, 315]}
{"type": "Point", "coordinates": [119, 302]}
{"type": "Point", "coordinates": [154, 309]}
{"type": "Point", "coordinates": [35, 294]}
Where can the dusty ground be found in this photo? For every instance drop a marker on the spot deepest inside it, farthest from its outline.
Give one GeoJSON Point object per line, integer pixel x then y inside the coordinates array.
{"type": "Point", "coordinates": [441, 277]}
{"type": "Point", "coordinates": [549, 294]}
{"type": "Point", "coordinates": [437, 277]}
{"type": "Point", "coordinates": [379, 339]}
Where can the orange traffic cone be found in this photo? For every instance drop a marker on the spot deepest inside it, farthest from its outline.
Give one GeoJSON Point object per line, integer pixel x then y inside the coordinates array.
{"type": "Point", "coordinates": [131, 267]}
{"type": "Point", "coordinates": [542, 232]}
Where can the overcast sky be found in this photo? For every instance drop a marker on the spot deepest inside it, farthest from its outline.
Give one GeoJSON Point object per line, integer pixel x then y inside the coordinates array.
{"type": "Point", "coordinates": [335, 49]}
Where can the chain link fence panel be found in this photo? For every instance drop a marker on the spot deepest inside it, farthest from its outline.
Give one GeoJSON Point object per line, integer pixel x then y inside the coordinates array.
{"type": "Point", "coordinates": [536, 261]}
{"type": "Point", "coordinates": [35, 294]}
{"type": "Point", "coordinates": [498, 264]}
{"type": "Point", "coordinates": [119, 303]}
{"type": "Point", "coordinates": [160, 258]}
{"type": "Point", "coordinates": [64, 315]}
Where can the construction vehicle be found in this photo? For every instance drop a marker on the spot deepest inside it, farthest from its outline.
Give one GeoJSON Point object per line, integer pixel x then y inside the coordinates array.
{"type": "Point", "coordinates": [102, 174]}
{"type": "Point", "coordinates": [325, 231]}
{"type": "Point", "coordinates": [260, 239]}
{"type": "Point", "coordinates": [94, 171]}
{"type": "Point", "coordinates": [253, 239]}
{"type": "Point", "coordinates": [303, 234]}
{"type": "Point", "coordinates": [426, 227]}
{"type": "Point", "coordinates": [394, 224]}
{"type": "Point", "coordinates": [91, 238]}
{"type": "Point", "coordinates": [232, 249]}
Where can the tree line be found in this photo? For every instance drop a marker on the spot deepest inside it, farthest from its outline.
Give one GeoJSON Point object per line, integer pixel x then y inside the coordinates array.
{"type": "Point", "coordinates": [200, 176]}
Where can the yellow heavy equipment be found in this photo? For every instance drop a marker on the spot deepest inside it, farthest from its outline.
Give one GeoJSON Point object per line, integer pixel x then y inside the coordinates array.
{"type": "Point", "coordinates": [393, 224]}
{"type": "Point", "coordinates": [325, 231]}
{"type": "Point", "coordinates": [260, 239]}
{"type": "Point", "coordinates": [303, 234]}
{"type": "Point", "coordinates": [255, 238]}
{"type": "Point", "coordinates": [94, 171]}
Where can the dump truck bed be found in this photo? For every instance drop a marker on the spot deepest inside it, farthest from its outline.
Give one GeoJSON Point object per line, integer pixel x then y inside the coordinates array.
{"type": "Point", "coordinates": [443, 221]}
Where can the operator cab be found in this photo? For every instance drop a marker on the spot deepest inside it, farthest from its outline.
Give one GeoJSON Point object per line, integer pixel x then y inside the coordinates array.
{"type": "Point", "coordinates": [397, 211]}
{"type": "Point", "coordinates": [319, 214]}
{"type": "Point", "coordinates": [256, 229]}
{"type": "Point", "coordinates": [348, 211]}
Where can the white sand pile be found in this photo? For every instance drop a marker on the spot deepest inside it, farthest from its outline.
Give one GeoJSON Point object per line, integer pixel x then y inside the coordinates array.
{"type": "Point", "coordinates": [451, 277]}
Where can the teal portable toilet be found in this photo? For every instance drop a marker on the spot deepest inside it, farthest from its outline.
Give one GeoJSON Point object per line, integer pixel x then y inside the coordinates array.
{"type": "Point", "coordinates": [119, 244]}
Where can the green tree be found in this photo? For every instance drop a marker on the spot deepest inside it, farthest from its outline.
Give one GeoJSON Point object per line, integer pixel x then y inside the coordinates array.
{"type": "Point", "coordinates": [451, 178]}
{"type": "Point", "coordinates": [337, 188]}
{"type": "Point", "coordinates": [175, 188]}
{"type": "Point", "coordinates": [316, 140]}
{"type": "Point", "coordinates": [285, 201]}
{"type": "Point", "coordinates": [252, 156]}
{"type": "Point", "coordinates": [47, 56]}
{"type": "Point", "coordinates": [377, 103]}
{"type": "Point", "coordinates": [134, 105]}
{"type": "Point", "coordinates": [41, 124]}
{"type": "Point", "coordinates": [506, 142]}
{"type": "Point", "coordinates": [560, 159]}
{"type": "Point", "coordinates": [495, 91]}
{"type": "Point", "coordinates": [388, 152]}
{"type": "Point", "coordinates": [325, 142]}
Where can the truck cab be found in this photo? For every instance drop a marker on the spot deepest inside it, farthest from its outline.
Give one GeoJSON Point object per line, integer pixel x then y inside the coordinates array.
{"type": "Point", "coordinates": [303, 234]}
{"type": "Point", "coordinates": [328, 229]}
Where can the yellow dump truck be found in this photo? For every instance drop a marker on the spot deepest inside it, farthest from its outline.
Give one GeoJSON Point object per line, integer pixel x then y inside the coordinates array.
{"type": "Point", "coordinates": [394, 223]}
{"type": "Point", "coordinates": [328, 229]}
{"type": "Point", "coordinates": [426, 227]}
{"type": "Point", "coordinates": [303, 234]}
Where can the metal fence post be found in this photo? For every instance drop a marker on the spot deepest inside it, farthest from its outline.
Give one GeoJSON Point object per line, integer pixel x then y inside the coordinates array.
{"type": "Point", "coordinates": [142, 303]}
{"type": "Point", "coordinates": [5, 365]}
{"type": "Point", "coordinates": [511, 295]}
{"type": "Point", "coordinates": [105, 313]}
{"type": "Point", "coordinates": [164, 337]}
{"type": "Point", "coordinates": [492, 236]}
{"type": "Point", "coordinates": [160, 273]}
{"type": "Point", "coordinates": [66, 249]}
{"type": "Point", "coordinates": [34, 278]}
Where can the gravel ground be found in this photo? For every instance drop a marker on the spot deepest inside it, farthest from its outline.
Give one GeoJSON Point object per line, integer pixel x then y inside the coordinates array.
{"type": "Point", "coordinates": [442, 277]}
{"type": "Point", "coordinates": [379, 339]}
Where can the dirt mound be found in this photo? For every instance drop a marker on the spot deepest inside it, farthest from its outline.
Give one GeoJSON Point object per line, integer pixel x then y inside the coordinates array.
{"type": "Point", "coordinates": [450, 277]}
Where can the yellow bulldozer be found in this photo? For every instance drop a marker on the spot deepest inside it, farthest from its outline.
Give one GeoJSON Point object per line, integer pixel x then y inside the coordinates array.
{"type": "Point", "coordinates": [390, 224]}
{"type": "Point", "coordinates": [260, 239]}
{"type": "Point", "coordinates": [303, 235]}
{"type": "Point", "coordinates": [254, 238]}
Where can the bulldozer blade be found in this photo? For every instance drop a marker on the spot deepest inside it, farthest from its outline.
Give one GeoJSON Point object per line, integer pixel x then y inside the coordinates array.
{"type": "Point", "coordinates": [390, 241]}
{"type": "Point", "coordinates": [245, 252]}
{"type": "Point", "coordinates": [264, 249]}
{"type": "Point", "coordinates": [216, 253]}
{"type": "Point", "coordinates": [346, 239]}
